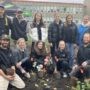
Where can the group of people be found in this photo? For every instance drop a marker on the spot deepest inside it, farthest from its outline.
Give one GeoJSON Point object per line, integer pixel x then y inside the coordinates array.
{"type": "Point", "coordinates": [69, 45]}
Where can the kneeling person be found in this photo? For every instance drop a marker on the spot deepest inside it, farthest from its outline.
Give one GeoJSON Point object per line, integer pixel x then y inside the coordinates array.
{"type": "Point", "coordinates": [7, 68]}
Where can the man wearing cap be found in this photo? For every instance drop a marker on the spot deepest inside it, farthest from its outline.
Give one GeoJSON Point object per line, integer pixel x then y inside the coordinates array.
{"type": "Point", "coordinates": [5, 22]}
{"type": "Point", "coordinates": [7, 67]}
{"type": "Point", "coordinates": [19, 26]}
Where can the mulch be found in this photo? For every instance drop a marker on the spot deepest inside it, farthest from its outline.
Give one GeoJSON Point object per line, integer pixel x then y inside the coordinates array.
{"type": "Point", "coordinates": [46, 83]}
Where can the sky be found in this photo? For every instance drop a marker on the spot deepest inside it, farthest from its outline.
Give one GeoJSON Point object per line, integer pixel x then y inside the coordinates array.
{"type": "Point", "coordinates": [66, 1]}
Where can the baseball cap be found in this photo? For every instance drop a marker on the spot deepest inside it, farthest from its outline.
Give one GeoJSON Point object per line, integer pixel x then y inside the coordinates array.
{"type": "Point", "coordinates": [1, 6]}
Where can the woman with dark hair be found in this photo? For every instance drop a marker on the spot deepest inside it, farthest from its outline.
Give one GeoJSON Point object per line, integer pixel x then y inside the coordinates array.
{"type": "Point", "coordinates": [70, 33]}
{"type": "Point", "coordinates": [38, 54]}
{"type": "Point", "coordinates": [38, 30]}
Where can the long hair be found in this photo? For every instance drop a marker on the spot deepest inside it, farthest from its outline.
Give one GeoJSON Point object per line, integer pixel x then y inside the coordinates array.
{"type": "Point", "coordinates": [40, 51]}
{"type": "Point", "coordinates": [69, 15]}
{"type": "Point", "coordinates": [41, 20]}
{"type": "Point", "coordinates": [18, 41]}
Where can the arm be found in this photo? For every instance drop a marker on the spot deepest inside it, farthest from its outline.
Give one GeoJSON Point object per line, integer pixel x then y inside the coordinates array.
{"type": "Point", "coordinates": [10, 22]}
{"type": "Point", "coordinates": [50, 33]}
{"type": "Point", "coordinates": [8, 77]}
{"type": "Point", "coordinates": [27, 55]}
{"type": "Point", "coordinates": [28, 28]}
{"type": "Point", "coordinates": [63, 32]}
{"type": "Point", "coordinates": [56, 56]}
{"type": "Point", "coordinates": [25, 59]}
{"type": "Point", "coordinates": [2, 73]}
{"type": "Point", "coordinates": [79, 57]}
{"type": "Point", "coordinates": [77, 34]}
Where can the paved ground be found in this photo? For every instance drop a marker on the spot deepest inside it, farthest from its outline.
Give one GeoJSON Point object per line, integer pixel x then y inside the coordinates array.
{"type": "Point", "coordinates": [46, 83]}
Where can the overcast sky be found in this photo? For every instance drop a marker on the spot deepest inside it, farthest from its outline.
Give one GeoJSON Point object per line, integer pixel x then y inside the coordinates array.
{"type": "Point", "coordinates": [68, 1]}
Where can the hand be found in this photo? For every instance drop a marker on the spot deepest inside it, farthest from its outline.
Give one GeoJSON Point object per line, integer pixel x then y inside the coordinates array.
{"type": "Point", "coordinates": [10, 78]}
{"type": "Point", "coordinates": [84, 64]}
{"type": "Point", "coordinates": [56, 59]}
{"type": "Point", "coordinates": [18, 64]}
{"type": "Point", "coordinates": [32, 59]}
{"type": "Point", "coordinates": [75, 67]}
{"type": "Point", "coordinates": [51, 44]}
{"type": "Point", "coordinates": [13, 67]}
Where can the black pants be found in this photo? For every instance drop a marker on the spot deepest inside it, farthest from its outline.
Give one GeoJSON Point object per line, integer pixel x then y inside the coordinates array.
{"type": "Point", "coordinates": [81, 76]}
{"type": "Point", "coordinates": [27, 65]}
{"type": "Point", "coordinates": [54, 47]}
{"type": "Point", "coordinates": [63, 66]}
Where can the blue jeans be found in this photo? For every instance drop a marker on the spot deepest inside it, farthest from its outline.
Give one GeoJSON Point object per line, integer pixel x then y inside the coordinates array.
{"type": "Point", "coordinates": [70, 48]}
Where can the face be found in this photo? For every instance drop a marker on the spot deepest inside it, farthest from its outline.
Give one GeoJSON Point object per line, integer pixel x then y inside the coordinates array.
{"type": "Point", "coordinates": [19, 15]}
{"type": "Point", "coordinates": [2, 10]}
{"type": "Point", "coordinates": [62, 45]}
{"type": "Point", "coordinates": [86, 38]}
{"type": "Point", "coordinates": [85, 19]}
{"type": "Point", "coordinates": [22, 44]}
{"type": "Point", "coordinates": [4, 43]}
{"type": "Point", "coordinates": [38, 16]}
{"type": "Point", "coordinates": [56, 16]}
{"type": "Point", "coordinates": [40, 45]}
{"type": "Point", "coordinates": [69, 19]}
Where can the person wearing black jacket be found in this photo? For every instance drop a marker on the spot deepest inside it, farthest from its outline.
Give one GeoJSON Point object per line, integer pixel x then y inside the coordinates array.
{"type": "Point", "coordinates": [62, 58]}
{"type": "Point", "coordinates": [70, 34]}
{"type": "Point", "coordinates": [38, 54]}
{"type": "Point", "coordinates": [82, 70]}
{"type": "Point", "coordinates": [84, 51]}
{"type": "Point", "coordinates": [55, 33]}
{"type": "Point", "coordinates": [19, 27]}
{"type": "Point", "coordinates": [7, 66]}
{"type": "Point", "coordinates": [5, 22]}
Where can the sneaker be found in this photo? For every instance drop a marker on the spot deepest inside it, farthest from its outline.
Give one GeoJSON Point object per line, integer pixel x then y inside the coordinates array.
{"type": "Point", "coordinates": [64, 75]}
{"type": "Point", "coordinates": [27, 75]}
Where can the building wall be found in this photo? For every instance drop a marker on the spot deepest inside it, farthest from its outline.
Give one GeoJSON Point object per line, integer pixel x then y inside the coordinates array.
{"type": "Point", "coordinates": [87, 8]}
{"type": "Point", "coordinates": [48, 8]}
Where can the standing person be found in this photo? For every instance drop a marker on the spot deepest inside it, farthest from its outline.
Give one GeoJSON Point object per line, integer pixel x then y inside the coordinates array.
{"type": "Point", "coordinates": [38, 30]}
{"type": "Point", "coordinates": [22, 56]}
{"type": "Point", "coordinates": [7, 66]}
{"type": "Point", "coordinates": [19, 26]}
{"type": "Point", "coordinates": [70, 33]}
{"type": "Point", "coordinates": [5, 22]}
{"type": "Point", "coordinates": [82, 28]}
{"type": "Point", "coordinates": [55, 32]}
